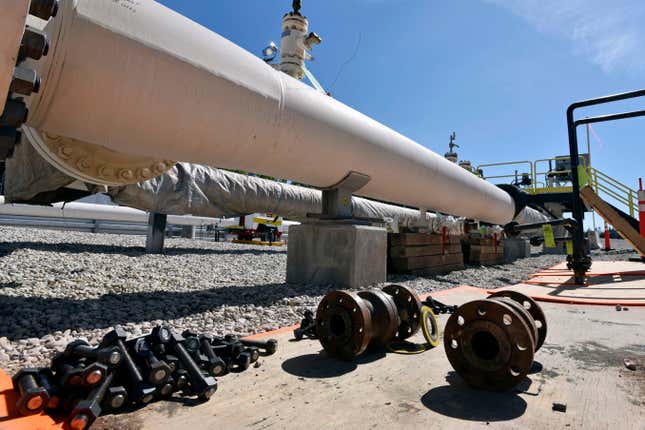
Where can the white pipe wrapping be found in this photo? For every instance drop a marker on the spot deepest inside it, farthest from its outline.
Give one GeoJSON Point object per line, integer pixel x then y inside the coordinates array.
{"type": "Point", "coordinates": [139, 78]}
{"type": "Point", "coordinates": [529, 215]}
{"type": "Point", "coordinates": [95, 212]}
{"type": "Point", "coordinates": [206, 191]}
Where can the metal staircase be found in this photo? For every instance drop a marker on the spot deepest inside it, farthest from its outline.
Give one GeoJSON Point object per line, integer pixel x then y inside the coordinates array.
{"type": "Point", "coordinates": [620, 221]}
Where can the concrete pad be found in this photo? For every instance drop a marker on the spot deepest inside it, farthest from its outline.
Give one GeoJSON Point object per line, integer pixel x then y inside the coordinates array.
{"type": "Point", "coordinates": [581, 365]}
{"type": "Point", "coordinates": [608, 283]}
{"type": "Point", "coordinates": [635, 268]}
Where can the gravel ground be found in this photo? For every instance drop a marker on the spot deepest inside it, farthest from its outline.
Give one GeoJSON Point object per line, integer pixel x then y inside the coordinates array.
{"type": "Point", "coordinates": [56, 286]}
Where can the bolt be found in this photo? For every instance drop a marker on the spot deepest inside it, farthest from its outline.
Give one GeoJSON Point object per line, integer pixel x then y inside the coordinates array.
{"type": "Point", "coordinates": [88, 410]}
{"type": "Point", "coordinates": [203, 386]}
{"type": "Point", "coordinates": [79, 422]}
{"type": "Point", "coordinates": [43, 9]}
{"type": "Point", "coordinates": [25, 81]}
{"type": "Point", "coordinates": [68, 373]}
{"type": "Point", "coordinates": [253, 352]}
{"type": "Point", "coordinates": [115, 397]}
{"type": "Point", "coordinates": [45, 378]}
{"type": "Point", "coordinates": [33, 398]}
{"type": "Point", "coordinates": [158, 370]}
{"type": "Point", "coordinates": [15, 113]}
{"type": "Point", "coordinates": [138, 391]}
{"type": "Point", "coordinates": [9, 138]}
{"type": "Point", "coordinates": [216, 366]}
{"type": "Point", "coordinates": [269, 346]}
{"type": "Point", "coordinates": [110, 356]}
{"type": "Point", "coordinates": [34, 44]}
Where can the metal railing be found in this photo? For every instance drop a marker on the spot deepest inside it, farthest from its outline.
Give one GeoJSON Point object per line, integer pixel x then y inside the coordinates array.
{"type": "Point", "coordinates": [515, 176]}
{"type": "Point", "coordinates": [619, 192]}
{"type": "Point", "coordinates": [560, 180]}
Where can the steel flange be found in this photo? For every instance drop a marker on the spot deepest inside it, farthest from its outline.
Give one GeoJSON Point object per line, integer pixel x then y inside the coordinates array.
{"type": "Point", "coordinates": [408, 306]}
{"type": "Point", "coordinates": [489, 344]}
{"type": "Point", "coordinates": [385, 318]}
{"type": "Point", "coordinates": [344, 324]}
{"type": "Point", "coordinates": [523, 313]}
{"type": "Point", "coordinates": [532, 308]}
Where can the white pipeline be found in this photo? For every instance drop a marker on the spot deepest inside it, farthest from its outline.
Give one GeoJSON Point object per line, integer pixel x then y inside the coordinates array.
{"type": "Point", "coordinates": [95, 212]}
{"type": "Point", "coordinates": [140, 79]}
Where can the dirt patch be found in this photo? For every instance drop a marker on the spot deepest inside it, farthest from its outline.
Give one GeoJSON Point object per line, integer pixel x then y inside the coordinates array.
{"type": "Point", "coordinates": [594, 356]}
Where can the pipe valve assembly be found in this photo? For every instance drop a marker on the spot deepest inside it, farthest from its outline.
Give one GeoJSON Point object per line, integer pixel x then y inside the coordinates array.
{"type": "Point", "coordinates": [490, 343]}
{"type": "Point", "coordinates": [347, 322]}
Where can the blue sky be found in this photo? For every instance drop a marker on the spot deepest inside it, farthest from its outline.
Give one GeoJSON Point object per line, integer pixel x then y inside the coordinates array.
{"type": "Point", "coordinates": [498, 72]}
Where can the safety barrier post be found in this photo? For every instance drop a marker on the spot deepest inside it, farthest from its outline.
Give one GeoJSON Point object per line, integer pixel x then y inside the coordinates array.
{"type": "Point", "coordinates": [607, 239]}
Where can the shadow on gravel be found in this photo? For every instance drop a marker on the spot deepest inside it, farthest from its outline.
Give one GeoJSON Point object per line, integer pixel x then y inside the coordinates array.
{"type": "Point", "coordinates": [458, 400]}
{"type": "Point", "coordinates": [25, 317]}
{"type": "Point", "coordinates": [132, 251]}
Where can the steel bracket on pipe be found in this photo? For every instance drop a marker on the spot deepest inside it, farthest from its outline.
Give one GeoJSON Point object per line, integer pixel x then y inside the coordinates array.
{"type": "Point", "coordinates": [337, 199]}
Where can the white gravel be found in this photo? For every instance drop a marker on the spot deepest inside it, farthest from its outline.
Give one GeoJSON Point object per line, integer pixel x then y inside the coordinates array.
{"type": "Point", "coordinates": [56, 286]}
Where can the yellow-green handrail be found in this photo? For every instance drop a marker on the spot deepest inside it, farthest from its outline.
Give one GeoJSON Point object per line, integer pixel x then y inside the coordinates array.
{"type": "Point", "coordinates": [599, 181]}
{"type": "Point", "coordinates": [615, 189]}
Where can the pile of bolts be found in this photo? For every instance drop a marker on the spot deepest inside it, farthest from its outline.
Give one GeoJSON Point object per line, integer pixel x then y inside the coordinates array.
{"type": "Point", "coordinates": [85, 381]}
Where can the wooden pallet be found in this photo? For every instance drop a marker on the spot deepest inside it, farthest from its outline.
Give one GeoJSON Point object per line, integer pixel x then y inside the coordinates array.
{"type": "Point", "coordinates": [484, 254]}
{"type": "Point", "coordinates": [424, 254]}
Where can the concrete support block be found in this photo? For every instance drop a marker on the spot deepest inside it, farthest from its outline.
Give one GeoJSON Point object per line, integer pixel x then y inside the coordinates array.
{"type": "Point", "coordinates": [593, 240]}
{"type": "Point", "coordinates": [560, 248]}
{"type": "Point", "coordinates": [515, 248]}
{"type": "Point", "coordinates": [156, 233]}
{"type": "Point", "coordinates": [346, 255]}
{"type": "Point", "coordinates": [188, 231]}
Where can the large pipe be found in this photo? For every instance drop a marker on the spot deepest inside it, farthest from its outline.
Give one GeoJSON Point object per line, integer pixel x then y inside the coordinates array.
{"type": "Point", "coordinates": [141, 79]}
{"type": "Point", "coordinates": [95, 212]}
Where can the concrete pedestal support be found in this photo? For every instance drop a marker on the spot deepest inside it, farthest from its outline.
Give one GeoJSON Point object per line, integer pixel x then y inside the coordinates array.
{"type": "Point", "coordinates": [188, 231]}
{"type": "Point", "coordinates": [346, 255]}
{"type": "Point", "coordinates": [156, 233]}
{"type": "Point", "coordinates": [514, 248]}
{"type": "Point", "coordinates": [560, 248]}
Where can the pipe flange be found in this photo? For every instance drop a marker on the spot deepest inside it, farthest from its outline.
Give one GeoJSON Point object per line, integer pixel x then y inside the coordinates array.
{"type": "Point", "coordinates": [94, 163]}
{"type": "Point", "coordinates": [523, 313]}
{"type": "Point", "coordinates": [343, 324]}
{"type": "Point", "coordinates": [489, 345]}
{"type": "Point", "coordinates": [385, 318]}
{"type": "Point", "coordinates": [532, 307]}
{"type": "Point", "coordinates": [408, 306]}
